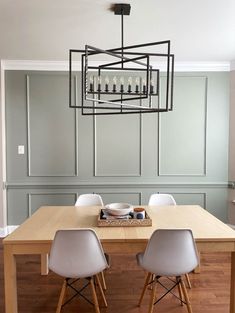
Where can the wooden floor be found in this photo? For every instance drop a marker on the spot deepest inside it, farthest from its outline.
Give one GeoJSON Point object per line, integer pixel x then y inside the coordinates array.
{"type": "Point", "coordinates": [39, 294]}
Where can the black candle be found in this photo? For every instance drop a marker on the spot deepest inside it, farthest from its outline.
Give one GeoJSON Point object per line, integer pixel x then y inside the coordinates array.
{"type": "Point", "coordinates": [114, 84]}
{"type": "Point", "coordinates": [106, 84]}
{"type": "Point", "coordinates": [129, 84]}
{"type": "Point", "coordinates": [91, 84]}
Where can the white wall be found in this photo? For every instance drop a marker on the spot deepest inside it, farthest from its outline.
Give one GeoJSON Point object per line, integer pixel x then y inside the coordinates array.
{"type": "Point", "coordinates": [2, 215]}
{"type": "Point", "coordinates": [231, 206]}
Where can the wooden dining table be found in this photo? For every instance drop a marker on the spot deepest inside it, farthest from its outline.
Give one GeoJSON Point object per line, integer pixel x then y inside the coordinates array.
{"type": "Point", "coordinates": [36, 234]}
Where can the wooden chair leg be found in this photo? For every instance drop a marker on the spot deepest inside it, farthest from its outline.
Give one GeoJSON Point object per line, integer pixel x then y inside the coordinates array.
{"type": "Point", "coordinates": [188, 281]}
{"type": "Point", "coordinates": [180, 292]}
{"type": "Point", "coordinates": [152, 299]}
{"type": "Point", "coordinates": [188, 304]}
{"type": "Point", "coordinates": [97, 309]}
{"type": "Point", "coordinates": [103, 281]}
{"type": "Point", "coordinates": [62, 296]}
{"type": "Point", "coordinates": [147, 280]}
{"type": "Point", "coordinates": [101, 290]}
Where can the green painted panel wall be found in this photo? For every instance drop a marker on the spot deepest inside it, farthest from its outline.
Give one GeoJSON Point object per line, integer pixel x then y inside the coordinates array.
{"type": "Point", "coordinates": [126, 158]}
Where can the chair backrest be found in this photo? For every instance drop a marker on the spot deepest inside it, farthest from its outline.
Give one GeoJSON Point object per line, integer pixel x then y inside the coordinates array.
{"type": "Point", "coordinates": [89, 199]}
{"type": "Point", "coordinates": [170, 252]}
{"type": "Point", "coordinates": [77, 253]}
{"type": "Point", "coordinates": [161, 199]}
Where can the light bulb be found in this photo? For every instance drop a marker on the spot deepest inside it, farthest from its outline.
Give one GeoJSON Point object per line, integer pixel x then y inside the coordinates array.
{"type": "Point", "coordinates": [99, 79]}
{"type": "Point", "coordinates": [106, 80]}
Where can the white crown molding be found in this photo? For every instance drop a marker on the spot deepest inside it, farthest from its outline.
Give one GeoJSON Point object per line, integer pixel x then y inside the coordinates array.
{"type": "Point", "coordinates": [63, 66]}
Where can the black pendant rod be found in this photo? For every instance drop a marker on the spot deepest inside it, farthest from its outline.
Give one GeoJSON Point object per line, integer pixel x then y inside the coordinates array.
{"type": "Point", "coordinates": [122, 35]}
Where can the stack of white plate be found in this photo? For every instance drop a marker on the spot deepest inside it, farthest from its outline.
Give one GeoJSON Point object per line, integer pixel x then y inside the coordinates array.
{"type": "Point", "coordinates": [118, 209]}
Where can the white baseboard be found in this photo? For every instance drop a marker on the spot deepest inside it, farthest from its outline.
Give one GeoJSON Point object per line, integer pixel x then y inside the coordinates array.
{"type": "Point", "coordinates": [7, 230]}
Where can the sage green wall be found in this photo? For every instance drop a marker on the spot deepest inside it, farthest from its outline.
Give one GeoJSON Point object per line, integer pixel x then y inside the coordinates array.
{"type": "Point", "coordinates": [124, 158]}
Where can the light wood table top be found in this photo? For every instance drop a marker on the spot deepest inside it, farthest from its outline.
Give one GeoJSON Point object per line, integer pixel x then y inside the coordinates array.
{"type": "Point", "coordinates": [42, 225]}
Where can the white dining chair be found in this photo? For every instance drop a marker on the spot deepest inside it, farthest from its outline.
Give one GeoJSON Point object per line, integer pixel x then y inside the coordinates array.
{"type": "Point", "coordinates": [89, 199]}
{"type": "Point", "coordinates": [161, 199]}
{"type": "Point", "coordinates": [166, 199]}
{"type": "Point", "coordinates": [169, 253]}
{"type": "Point", "coordinates": [77, 254]}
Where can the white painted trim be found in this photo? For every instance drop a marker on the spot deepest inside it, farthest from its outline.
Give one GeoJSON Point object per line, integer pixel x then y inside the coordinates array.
{"type": "Point", "coordinates": [7, 230]}
{"type": "Point", "coordinates": [3, 130]}
{"type": "Point", "coordinates": [38, 65]}
{"type": "Point", "coordinates": [232, 65]}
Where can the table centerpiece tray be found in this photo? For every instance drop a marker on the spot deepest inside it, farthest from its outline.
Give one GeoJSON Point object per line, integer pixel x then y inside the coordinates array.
{"type": "Point", "coordinates": [129, 221]}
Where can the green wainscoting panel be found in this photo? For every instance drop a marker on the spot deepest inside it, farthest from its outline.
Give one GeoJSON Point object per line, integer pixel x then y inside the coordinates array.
{"type": "Point", "coordinates": [182, 136]}
{"type": "Point", "coordinates": [117, 145]}
{"type": "Point", "coordinates": [51, 127]}
{"type": "Point", "coordinates": [38, 199]}
{"type": "Point", "coordinates": [128, 197]}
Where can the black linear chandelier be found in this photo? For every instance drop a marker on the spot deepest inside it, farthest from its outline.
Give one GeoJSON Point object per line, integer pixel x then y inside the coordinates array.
{"type": "Point", "coordinates": [127, 82]}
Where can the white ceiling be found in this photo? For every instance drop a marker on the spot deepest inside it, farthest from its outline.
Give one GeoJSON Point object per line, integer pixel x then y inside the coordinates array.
{"type": "Point", "coordinates": [199, 30]}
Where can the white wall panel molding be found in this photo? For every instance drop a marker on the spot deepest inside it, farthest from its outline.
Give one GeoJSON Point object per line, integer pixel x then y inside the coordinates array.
{"type": "Point", "coordinates": [3, 195]}
{"type": "Point", "coordinates": [107, 152]}
{"type": "Point", "coordinates": [107, 185]}
{"type": "Point", "coordinates": [232, 65]}
{"type": "Point", "coordinates": [31, 195]}
{"type": "Point", "coordinates": [31, 171]}
{"type": "Point", "coordinates": [174, 158]}
{"type": "Point", "coordinates": [40, 65]}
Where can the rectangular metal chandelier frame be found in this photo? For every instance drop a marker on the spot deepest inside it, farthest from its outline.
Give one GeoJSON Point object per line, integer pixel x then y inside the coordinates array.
{"type": "Point", "coordinates": [101, 106]}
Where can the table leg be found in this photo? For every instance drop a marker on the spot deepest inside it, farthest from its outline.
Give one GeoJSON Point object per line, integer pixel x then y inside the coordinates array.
{"type": "Point", "coordinates": [197, 270]}
{"type": "Point", "coordinates": [44, 264]}
{"type": "Point", "coordinates": [10, 280]}
{"type": "Point", "coordinates": [232, 284]}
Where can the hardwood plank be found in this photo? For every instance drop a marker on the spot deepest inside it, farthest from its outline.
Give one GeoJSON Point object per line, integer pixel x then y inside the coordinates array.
{"type": "Point", "coordinates": [125, 280]}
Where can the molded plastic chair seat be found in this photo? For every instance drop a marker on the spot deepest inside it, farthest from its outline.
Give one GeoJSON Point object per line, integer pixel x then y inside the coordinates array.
{"type": "Point", "coordinates": [76, 254]}
{"type": "Point", "coordinates": [89, 199]}
{"type": "Point", "coordinates": [170, 252]}
{"type": "Point", "coordinates": [161, 199]}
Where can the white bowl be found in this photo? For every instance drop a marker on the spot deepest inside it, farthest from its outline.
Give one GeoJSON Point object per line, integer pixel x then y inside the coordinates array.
{"type": "Point", "coordinates": [118, 208]}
